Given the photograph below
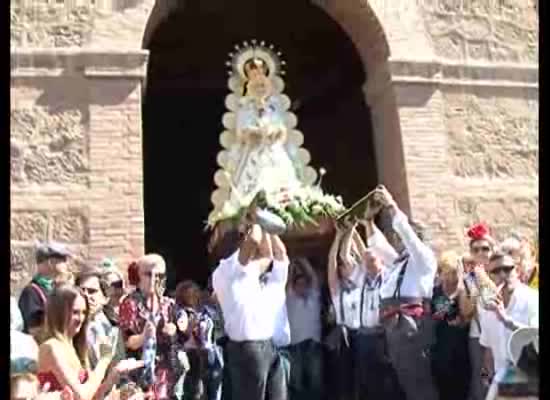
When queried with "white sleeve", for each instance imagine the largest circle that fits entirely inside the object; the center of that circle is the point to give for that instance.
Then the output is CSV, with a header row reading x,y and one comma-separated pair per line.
x,y
533,311
416,248
484,340
382,248
223,273
281,337
279,272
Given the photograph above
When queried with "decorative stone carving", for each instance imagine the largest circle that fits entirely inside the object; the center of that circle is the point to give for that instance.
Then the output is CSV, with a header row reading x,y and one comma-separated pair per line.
x,y
492,137
483,29
50,26
49,147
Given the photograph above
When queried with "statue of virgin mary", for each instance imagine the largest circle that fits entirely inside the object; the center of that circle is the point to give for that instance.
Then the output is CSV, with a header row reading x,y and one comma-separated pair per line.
x,y
262,147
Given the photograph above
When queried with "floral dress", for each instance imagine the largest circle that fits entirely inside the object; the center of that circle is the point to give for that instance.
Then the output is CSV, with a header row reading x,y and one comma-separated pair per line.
x,y
133,315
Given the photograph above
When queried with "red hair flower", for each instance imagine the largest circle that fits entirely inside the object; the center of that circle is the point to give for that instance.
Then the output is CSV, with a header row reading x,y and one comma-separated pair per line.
x,y
478,232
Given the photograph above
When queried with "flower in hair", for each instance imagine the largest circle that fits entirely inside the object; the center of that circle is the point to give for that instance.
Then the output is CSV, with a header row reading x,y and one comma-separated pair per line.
x,y
478,232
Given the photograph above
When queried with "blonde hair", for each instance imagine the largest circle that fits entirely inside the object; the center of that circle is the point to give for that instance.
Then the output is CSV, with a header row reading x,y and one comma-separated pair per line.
x,y
151,260
449,261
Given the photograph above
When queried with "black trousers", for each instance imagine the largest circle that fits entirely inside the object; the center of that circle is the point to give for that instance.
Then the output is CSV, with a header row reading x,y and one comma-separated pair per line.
x,y
375,377
362,370
256,371
306,370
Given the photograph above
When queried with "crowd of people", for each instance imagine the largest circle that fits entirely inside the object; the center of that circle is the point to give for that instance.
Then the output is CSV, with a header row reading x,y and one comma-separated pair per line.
x,y
385,318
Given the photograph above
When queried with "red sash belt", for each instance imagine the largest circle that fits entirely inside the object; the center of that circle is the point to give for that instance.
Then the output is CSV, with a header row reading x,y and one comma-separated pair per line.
x,y
412,310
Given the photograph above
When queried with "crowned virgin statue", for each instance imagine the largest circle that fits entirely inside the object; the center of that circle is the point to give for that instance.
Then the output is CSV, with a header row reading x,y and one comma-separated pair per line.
x,y
262,149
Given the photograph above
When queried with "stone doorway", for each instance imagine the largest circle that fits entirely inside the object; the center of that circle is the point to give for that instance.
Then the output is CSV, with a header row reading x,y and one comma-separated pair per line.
x,y
184,103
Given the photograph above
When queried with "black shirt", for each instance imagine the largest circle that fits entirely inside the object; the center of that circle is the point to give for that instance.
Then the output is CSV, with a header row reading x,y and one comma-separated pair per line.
x,y
32,306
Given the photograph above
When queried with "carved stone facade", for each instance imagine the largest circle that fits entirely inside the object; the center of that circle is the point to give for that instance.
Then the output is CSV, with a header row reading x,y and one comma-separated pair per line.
x,y
452,86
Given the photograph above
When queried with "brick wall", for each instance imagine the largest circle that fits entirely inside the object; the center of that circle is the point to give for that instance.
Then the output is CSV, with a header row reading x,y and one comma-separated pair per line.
x,y
75,155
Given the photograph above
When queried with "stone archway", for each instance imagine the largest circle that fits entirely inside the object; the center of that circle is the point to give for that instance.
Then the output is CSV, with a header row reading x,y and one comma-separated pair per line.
x,y
184,96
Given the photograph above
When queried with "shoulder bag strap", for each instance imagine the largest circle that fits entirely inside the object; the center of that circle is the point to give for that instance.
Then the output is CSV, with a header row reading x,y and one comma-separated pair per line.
x,y
40,292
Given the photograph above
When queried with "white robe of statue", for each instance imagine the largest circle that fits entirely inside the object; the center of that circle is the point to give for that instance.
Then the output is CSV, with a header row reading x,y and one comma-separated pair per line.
x,y
264,161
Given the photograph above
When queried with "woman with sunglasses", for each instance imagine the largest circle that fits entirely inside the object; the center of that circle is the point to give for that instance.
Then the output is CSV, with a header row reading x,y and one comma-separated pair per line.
x,y
112,283
481,246
148,326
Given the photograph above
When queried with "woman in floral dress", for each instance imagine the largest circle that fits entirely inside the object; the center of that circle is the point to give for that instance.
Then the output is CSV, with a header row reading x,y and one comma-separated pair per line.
x,y
148,325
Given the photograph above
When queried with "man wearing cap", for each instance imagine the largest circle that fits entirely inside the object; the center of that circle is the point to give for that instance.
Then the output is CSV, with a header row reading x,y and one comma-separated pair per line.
x,y
515,306
51,262
405,292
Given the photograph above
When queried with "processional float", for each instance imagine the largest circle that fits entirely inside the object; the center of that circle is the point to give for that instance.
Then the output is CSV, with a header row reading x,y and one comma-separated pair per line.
x,y
264,168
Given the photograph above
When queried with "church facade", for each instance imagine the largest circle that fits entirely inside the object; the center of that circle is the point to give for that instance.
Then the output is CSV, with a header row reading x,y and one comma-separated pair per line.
x,y
452,88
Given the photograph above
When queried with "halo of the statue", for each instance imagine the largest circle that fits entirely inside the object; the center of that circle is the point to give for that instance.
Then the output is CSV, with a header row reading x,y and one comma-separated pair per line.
x,y
247,51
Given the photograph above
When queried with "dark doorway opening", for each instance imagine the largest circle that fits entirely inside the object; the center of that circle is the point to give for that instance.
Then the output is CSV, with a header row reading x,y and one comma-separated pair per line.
x,y
184,104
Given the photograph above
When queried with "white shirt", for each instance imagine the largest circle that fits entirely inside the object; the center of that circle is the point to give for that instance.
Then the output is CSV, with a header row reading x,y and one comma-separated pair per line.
x,y
418,280
23,346
251,310
348,313
282,335
304,315
16,319
523,309
371,301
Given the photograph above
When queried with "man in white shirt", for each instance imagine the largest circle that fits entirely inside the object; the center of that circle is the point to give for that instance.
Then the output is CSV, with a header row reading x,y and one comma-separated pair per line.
x,y
377,378
250,287
516,306
304,313
405,292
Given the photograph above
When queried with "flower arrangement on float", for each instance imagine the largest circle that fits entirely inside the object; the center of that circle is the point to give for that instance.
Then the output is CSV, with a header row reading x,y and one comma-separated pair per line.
x,y
299,207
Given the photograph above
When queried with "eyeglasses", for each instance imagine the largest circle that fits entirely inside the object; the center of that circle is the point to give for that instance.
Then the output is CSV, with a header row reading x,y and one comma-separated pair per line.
x,y
507,269
479,249
117,284
90,291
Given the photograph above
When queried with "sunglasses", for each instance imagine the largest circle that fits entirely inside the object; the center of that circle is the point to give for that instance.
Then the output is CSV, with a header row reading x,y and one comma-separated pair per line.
x,y
507,269
117,284
91,291
479,249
